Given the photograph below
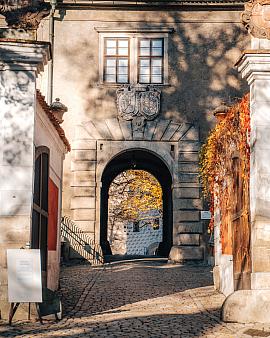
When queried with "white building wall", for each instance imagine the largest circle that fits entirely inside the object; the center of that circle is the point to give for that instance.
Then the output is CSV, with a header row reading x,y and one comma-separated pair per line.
x,y
46,135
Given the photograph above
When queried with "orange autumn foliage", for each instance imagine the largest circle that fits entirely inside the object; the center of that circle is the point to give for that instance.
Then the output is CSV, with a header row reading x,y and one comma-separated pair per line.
x,y
230,135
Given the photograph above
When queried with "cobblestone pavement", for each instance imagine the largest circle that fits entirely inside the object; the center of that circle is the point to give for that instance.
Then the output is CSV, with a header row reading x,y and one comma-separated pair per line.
x,y
137,299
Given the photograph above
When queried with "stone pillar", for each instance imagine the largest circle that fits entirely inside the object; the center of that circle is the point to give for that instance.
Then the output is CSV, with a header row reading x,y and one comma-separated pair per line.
x,y
254,305
254,65
19,65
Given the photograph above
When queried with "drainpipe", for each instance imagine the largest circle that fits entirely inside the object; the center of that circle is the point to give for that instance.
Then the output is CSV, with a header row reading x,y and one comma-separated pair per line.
x,y
51,40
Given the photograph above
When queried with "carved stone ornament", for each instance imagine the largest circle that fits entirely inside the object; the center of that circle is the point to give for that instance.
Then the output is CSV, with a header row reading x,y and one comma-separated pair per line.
x,y
256,18
24,14
138,103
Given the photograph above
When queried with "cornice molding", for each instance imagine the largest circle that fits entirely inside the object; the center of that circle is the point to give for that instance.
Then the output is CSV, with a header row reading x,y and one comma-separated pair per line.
x,y
150,5
156,29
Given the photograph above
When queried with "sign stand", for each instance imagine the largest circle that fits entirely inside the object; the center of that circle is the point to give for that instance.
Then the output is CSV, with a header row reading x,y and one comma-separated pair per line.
x,y
13,309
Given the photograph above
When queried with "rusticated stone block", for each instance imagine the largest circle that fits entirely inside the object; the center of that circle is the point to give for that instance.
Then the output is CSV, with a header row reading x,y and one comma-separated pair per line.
x,y
83,165
188,177
182,216
187,203
84,214
187,192
84,145
261,259
83,178
189,146
188,156
190,227
82,202
182,253
84,155
86,226
84,191
188,239
189,167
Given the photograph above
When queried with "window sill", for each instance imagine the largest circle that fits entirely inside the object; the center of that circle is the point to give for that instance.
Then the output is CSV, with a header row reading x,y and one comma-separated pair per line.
x,y
117,85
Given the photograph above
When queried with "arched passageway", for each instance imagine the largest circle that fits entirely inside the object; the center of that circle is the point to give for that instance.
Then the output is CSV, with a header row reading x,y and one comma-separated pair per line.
x,y
139,160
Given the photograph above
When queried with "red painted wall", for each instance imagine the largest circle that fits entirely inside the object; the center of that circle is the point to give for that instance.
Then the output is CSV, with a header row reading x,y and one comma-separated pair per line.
x,y
53,215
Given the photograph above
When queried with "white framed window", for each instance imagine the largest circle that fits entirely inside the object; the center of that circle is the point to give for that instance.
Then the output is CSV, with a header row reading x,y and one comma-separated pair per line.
x,y
150,60
116,60
127,57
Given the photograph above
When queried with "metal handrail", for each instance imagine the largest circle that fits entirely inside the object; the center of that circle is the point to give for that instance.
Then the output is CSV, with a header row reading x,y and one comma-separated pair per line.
x,y
81,242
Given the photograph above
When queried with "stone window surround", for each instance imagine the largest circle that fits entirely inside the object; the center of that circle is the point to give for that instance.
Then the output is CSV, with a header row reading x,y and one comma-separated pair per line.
x,y
134,35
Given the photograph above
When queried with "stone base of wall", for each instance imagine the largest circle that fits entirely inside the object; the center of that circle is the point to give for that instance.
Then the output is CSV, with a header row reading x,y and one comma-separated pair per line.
x,y
247,306
180,254
223,275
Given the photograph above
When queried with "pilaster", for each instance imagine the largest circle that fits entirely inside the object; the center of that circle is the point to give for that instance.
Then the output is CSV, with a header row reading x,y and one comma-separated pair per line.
x,y
255,67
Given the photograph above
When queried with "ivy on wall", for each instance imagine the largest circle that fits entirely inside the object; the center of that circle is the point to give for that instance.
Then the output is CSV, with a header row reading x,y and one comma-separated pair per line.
x,y
228,139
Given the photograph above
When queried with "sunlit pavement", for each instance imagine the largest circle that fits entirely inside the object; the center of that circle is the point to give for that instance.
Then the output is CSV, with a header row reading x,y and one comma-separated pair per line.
x,y
137,299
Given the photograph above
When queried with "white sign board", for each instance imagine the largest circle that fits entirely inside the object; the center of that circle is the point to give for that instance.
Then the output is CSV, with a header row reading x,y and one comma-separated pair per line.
x,y
205,214
24,276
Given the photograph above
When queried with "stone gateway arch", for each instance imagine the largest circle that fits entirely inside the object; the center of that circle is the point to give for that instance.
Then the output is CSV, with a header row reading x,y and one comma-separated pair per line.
x,y
103,149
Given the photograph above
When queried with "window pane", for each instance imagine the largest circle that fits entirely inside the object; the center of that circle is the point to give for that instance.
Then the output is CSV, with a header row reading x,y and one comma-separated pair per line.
x,y
111,43
123,70
111,70
111,62
145,62
145,43
157,51
122,79
144,51
157,43
144,70
156,79
122,51
123,62
111,51
156,62
123,43
110,78
156,70
144,79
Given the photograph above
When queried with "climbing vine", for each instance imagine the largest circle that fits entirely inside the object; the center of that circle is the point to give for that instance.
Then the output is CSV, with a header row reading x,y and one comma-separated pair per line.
x,y
229,137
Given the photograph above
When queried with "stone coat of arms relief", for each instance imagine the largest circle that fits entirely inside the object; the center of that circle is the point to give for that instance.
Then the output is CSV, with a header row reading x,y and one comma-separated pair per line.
x,y
256,18
138,104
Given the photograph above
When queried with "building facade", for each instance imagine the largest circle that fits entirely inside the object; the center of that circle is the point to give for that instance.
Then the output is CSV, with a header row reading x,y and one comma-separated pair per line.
x,y
33,146
140,81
